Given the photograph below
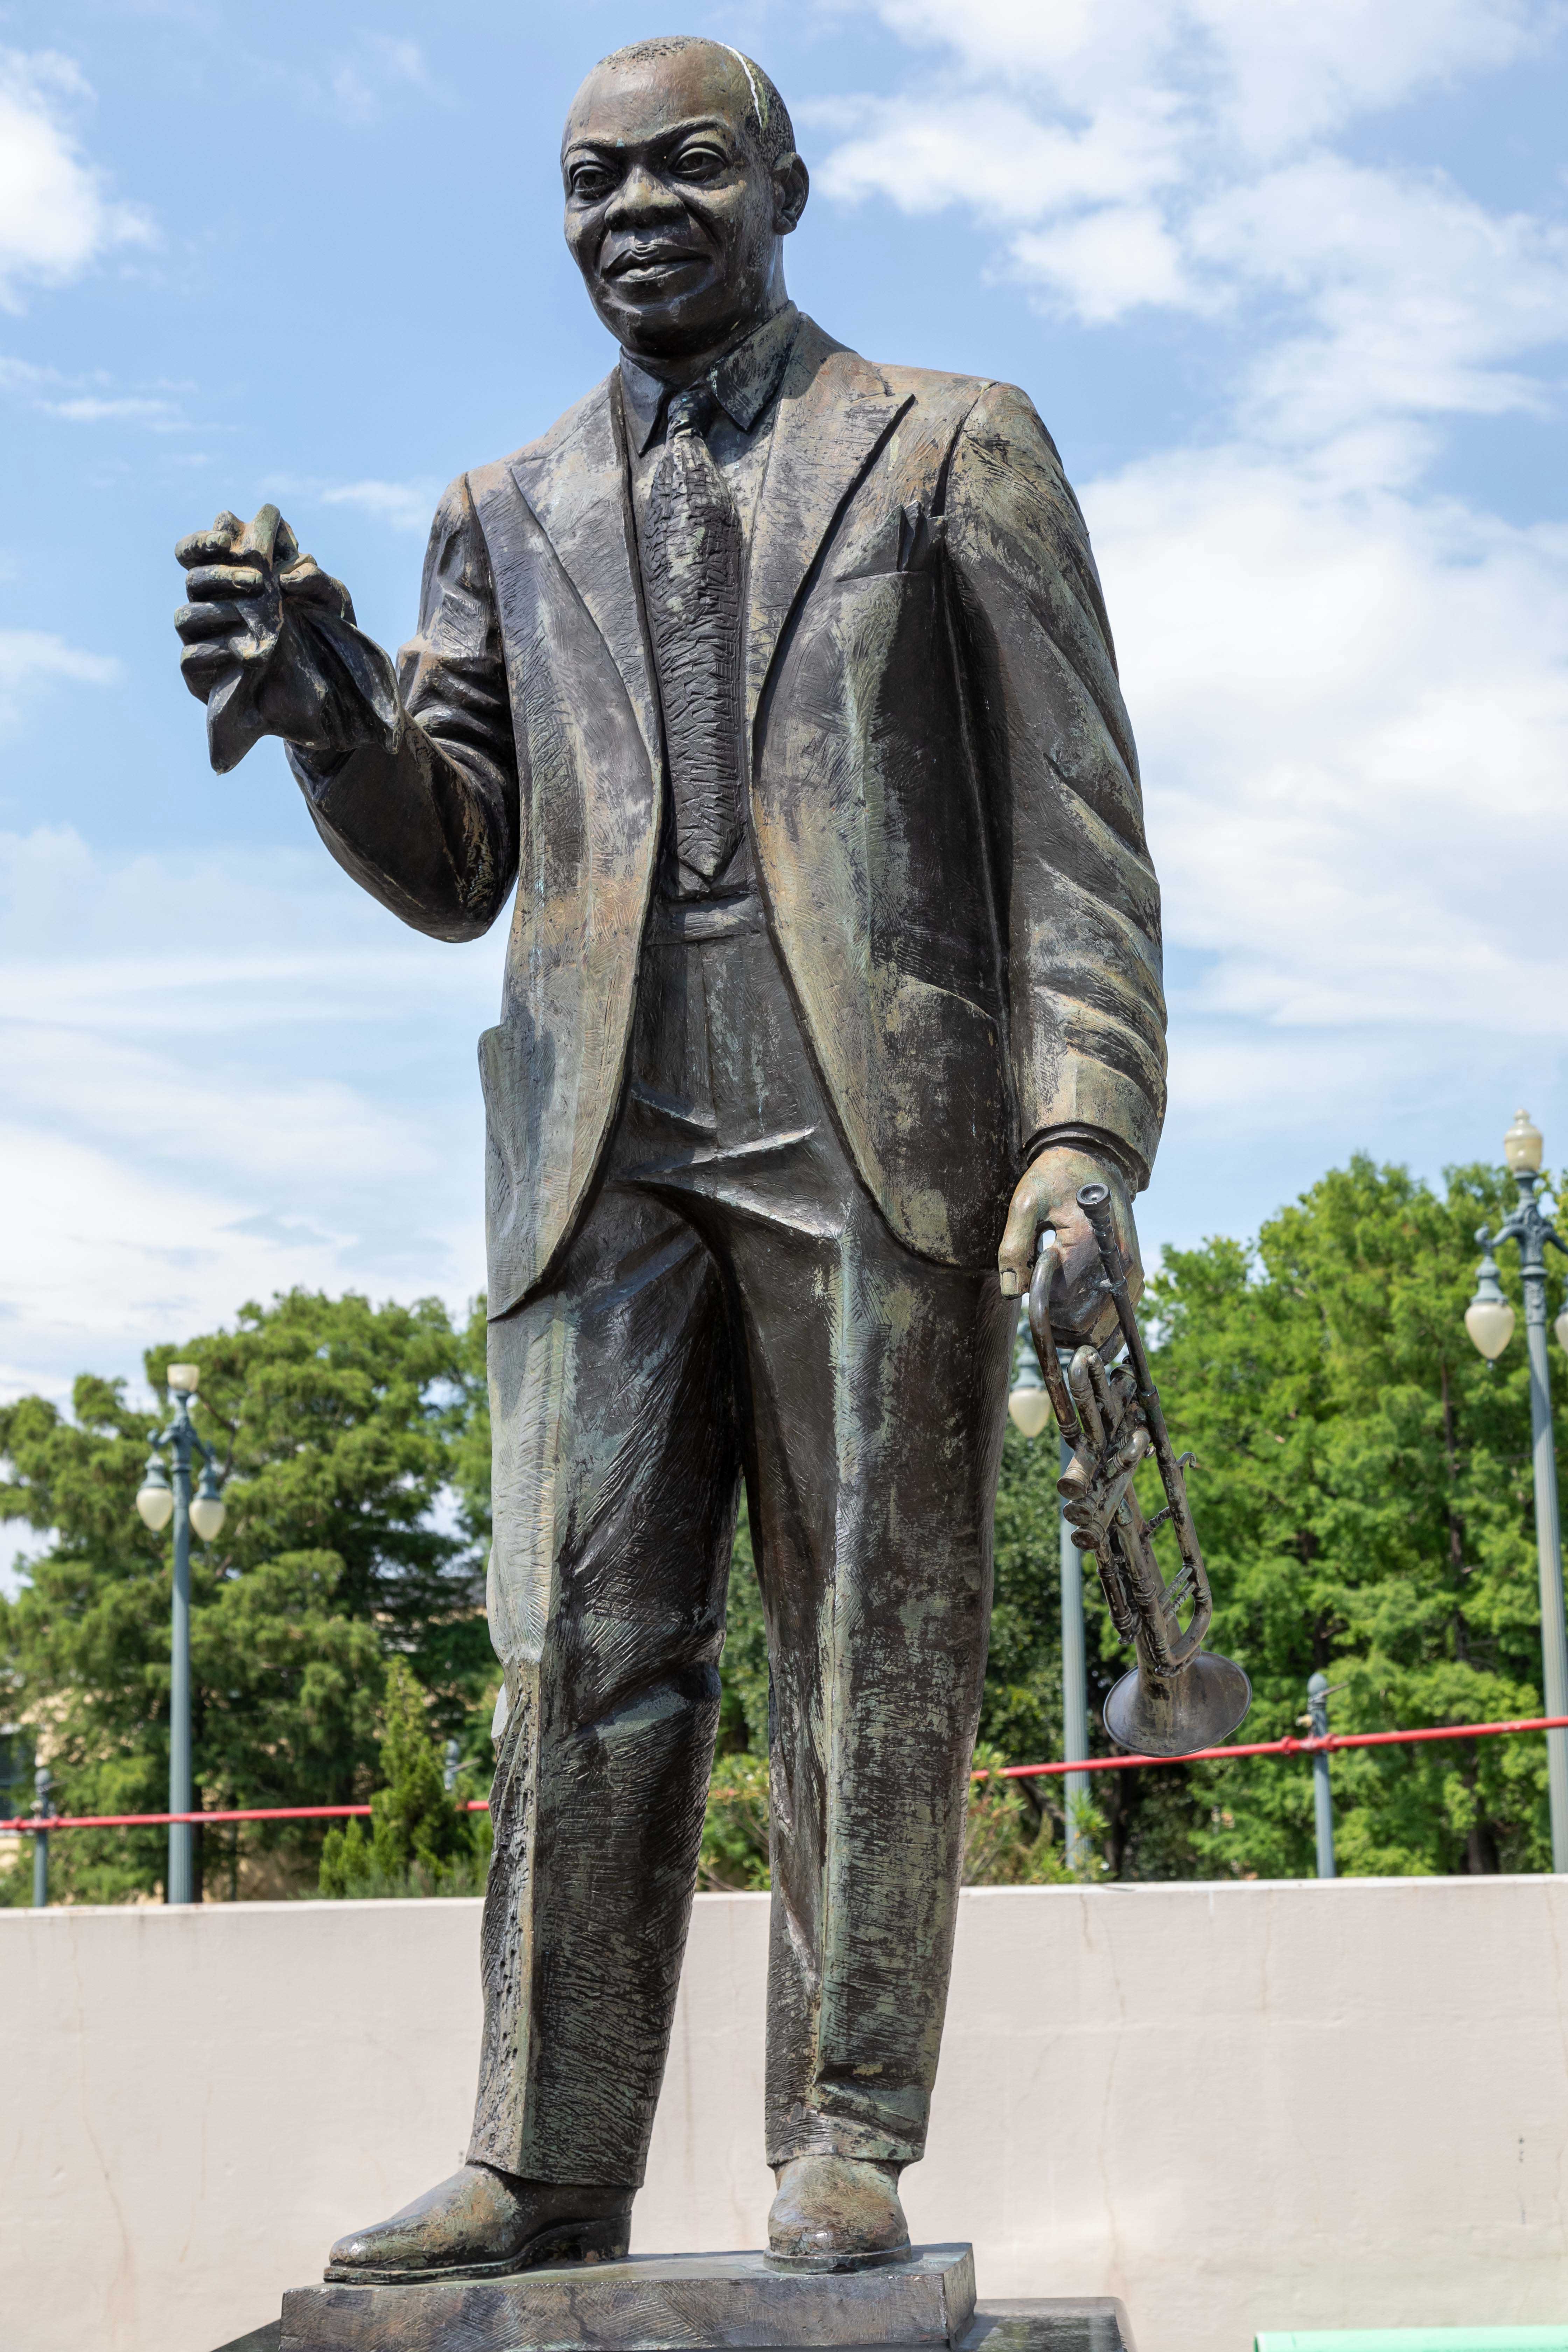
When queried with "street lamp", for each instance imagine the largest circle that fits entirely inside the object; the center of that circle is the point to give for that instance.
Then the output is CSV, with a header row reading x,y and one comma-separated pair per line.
x,y
1029,1409
158,1503
1489,1320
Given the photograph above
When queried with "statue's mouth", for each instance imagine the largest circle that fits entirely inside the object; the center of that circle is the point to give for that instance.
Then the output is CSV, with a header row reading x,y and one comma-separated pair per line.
x,y
653,265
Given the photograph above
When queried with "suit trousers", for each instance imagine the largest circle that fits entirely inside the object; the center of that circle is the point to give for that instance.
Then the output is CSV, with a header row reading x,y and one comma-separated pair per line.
x,y
732,1306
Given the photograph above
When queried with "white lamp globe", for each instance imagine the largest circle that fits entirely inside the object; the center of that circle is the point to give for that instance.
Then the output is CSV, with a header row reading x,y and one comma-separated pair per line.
x,y
1522,1145
1489,1322
208,1513
1029,1409
207,1516
155,1498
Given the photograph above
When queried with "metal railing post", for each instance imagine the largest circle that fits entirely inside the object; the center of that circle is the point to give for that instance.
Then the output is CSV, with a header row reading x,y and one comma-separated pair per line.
x,y
43,1795
1323,1794
180,1882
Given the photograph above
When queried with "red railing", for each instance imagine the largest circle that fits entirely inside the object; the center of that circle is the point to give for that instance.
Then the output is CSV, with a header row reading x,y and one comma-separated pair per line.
x,y
1331,1741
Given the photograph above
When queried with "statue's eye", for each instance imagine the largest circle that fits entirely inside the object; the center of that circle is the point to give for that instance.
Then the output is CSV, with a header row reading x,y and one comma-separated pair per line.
x,y
699,162
590,180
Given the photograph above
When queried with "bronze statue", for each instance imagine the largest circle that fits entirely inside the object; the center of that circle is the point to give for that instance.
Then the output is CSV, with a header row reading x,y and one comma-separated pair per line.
x,y
780,686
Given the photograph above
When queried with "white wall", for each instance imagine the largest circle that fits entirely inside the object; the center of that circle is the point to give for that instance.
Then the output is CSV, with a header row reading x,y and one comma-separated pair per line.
x,y
1234,2107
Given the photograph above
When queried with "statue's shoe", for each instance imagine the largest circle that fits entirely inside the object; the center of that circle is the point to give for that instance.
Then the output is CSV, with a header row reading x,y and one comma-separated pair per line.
x,y
837,2213
484,2224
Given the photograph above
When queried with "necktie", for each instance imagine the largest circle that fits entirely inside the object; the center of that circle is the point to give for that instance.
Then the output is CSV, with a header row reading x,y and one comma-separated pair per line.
x,y
691,581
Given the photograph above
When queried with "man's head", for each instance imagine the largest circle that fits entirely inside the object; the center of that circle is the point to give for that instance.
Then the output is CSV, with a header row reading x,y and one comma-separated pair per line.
x,y
681,178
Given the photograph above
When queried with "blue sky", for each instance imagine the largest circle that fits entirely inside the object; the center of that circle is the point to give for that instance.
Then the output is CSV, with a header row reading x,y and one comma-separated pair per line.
x,y
1289,285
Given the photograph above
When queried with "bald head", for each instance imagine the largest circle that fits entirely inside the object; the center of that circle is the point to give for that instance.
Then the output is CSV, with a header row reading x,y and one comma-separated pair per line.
x,y
681,181
764,114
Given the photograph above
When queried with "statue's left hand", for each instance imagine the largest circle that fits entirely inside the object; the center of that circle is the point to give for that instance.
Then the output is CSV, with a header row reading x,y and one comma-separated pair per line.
x,y
1046,1194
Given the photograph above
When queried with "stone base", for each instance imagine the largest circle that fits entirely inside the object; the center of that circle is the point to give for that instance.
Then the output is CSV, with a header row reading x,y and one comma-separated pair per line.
x,y
1095,2325
652,2302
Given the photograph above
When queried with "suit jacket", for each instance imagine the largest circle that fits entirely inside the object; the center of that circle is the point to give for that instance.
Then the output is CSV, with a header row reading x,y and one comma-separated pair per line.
x,y
943,798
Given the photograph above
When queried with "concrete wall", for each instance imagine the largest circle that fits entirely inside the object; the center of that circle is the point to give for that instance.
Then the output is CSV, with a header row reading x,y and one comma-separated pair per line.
x,y
1234,2107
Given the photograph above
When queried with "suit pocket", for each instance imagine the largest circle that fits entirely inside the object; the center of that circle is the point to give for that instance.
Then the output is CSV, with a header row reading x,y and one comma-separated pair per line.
x,y
507,1082
939,1102
906,546
882,627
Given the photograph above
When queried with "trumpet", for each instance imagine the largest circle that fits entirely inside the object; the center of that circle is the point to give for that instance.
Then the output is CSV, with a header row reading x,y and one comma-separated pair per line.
x,y
1179,1696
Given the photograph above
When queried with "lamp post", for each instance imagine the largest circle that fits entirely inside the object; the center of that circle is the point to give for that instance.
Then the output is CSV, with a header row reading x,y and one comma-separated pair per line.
x,y
1029,1408
158,1503
1488,1320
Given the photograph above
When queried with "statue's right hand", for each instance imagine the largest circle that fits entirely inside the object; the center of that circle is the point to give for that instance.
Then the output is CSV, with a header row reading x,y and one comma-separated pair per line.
x,y
255,651
234,617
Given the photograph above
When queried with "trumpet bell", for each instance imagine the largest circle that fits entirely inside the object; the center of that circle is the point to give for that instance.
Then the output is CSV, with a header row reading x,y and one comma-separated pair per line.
x,y
1175,1715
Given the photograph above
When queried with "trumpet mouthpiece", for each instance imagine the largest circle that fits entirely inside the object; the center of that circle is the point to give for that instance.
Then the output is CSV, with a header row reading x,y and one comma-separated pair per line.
x,y
1094,1200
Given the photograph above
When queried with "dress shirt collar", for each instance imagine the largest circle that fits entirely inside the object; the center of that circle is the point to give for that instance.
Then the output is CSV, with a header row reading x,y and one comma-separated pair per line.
x,y
743,379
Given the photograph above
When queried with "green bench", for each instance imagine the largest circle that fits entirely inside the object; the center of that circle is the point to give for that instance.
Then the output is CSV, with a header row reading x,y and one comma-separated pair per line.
x,y
1414,2339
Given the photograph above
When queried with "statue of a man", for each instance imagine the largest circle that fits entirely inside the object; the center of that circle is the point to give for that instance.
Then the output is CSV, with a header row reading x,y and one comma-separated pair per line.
x,y
780,686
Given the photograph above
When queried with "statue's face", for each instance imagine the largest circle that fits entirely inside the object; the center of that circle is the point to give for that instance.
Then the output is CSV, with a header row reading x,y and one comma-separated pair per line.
x,y
672,217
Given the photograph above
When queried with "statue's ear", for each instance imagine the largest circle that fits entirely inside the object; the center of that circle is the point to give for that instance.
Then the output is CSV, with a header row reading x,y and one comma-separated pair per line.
x,y
792,185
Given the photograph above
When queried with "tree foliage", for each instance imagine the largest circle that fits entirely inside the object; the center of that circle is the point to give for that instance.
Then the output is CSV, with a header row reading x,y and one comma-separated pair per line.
x,y
1366,1507
1365,1499
1363,1494
334,1423
423,1840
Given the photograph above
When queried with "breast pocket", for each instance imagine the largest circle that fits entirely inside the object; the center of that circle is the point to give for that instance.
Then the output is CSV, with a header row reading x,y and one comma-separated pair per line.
x,y
884,630
908,543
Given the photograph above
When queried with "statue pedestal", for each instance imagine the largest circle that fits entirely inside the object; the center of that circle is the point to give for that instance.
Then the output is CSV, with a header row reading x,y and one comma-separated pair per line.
x,y
696,2303
652,2302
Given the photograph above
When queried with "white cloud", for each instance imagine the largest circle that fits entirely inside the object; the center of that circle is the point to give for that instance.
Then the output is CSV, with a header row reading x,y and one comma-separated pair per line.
x,y
87,408
94,399
1413,299
401,505
1107,262
1300,67
221,1075
1261,78
57,216
383,66
1132,152
379,77
30,657
405,506
992,153
1337,695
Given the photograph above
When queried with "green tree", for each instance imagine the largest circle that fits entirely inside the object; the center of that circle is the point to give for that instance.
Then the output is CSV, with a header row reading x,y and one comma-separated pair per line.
x,y
335,1421
423,1840
1364,1500
468,1452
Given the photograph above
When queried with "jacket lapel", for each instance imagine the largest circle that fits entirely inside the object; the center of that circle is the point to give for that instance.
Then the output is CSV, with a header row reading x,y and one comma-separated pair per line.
x,y
834,411
578,488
